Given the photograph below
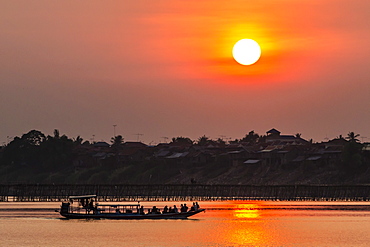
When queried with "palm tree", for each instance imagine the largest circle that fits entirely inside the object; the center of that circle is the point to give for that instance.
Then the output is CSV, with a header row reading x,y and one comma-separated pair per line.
x,y
117,140
352,137
117,145
203,141
78,140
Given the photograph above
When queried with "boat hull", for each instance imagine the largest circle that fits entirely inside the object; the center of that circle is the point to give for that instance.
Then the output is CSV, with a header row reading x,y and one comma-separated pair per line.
x,y
131,216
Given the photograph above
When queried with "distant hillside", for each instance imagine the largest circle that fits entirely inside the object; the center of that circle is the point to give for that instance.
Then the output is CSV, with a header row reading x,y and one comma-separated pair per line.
x,y
254,159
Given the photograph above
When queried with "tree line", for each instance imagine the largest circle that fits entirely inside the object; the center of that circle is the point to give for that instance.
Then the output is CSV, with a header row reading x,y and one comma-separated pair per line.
x,y
36,157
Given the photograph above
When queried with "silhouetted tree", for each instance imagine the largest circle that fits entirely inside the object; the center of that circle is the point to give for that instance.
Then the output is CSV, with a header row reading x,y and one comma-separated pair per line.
x,y
33,138
57,152
56,134
234,141
182,140
352,137
78,140
86,143
203,141
13,153
251,137
117,141
221,141
351,155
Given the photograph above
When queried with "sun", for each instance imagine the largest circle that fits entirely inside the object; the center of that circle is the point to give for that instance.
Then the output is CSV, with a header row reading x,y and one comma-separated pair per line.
x,y
246,51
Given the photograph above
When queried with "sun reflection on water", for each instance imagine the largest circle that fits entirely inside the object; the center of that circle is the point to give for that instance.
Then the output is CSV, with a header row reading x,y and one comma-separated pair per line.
x,y
247,211
247,227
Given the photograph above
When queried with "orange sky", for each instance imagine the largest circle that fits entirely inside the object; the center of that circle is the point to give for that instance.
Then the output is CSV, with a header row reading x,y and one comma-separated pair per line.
x,y
164,68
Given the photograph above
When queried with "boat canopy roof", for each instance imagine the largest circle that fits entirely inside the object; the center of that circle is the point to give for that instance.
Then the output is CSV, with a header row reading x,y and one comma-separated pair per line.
x,y
83,197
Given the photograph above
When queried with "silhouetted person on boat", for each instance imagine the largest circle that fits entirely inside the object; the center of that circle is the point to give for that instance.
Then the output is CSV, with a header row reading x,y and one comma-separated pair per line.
x,y
141,210
184,208
175,210
195,206
170,210
91,204
165,209
155,210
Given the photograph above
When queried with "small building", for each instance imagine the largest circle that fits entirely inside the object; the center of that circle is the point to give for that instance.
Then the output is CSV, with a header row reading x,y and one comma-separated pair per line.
x,y
274,136
101,145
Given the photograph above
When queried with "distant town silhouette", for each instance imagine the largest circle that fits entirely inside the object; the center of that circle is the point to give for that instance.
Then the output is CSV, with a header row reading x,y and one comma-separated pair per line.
x,y
270,159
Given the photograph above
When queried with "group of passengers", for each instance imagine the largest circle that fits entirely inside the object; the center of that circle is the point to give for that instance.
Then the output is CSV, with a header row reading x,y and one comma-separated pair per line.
x,y
87,203
169,210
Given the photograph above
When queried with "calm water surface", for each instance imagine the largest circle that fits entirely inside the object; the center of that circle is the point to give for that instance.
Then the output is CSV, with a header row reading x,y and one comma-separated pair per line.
x,y
242,223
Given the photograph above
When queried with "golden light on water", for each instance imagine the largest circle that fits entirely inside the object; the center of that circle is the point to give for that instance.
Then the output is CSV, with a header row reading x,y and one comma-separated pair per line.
x,y
247,211
248,231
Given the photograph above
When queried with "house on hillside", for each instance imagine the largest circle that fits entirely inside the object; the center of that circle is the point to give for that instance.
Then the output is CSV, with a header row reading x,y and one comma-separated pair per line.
x,y
134,152
326,153
281,152
178,158
337,142
134,145
201,157
366,153
100,145
82,157
245,155
127,155
274,136
101,150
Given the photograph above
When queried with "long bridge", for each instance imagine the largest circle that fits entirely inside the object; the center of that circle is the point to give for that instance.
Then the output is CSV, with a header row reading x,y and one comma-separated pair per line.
x,y
180,192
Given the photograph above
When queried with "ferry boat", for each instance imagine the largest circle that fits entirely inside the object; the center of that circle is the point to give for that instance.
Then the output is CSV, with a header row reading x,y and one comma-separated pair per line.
x,y
89,208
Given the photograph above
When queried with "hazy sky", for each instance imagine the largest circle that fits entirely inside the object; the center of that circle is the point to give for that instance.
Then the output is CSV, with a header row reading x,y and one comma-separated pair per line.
x,y
164,68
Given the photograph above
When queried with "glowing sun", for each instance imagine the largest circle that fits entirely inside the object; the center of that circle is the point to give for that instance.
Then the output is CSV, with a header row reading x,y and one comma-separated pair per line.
x,y
246,51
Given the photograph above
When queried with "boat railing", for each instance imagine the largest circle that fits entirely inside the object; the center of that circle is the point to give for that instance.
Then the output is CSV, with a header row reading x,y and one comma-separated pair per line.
x,y
118,208
106,208
79,210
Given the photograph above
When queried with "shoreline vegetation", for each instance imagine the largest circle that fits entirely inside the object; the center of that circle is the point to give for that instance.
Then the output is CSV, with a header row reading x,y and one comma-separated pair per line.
x,y
270,159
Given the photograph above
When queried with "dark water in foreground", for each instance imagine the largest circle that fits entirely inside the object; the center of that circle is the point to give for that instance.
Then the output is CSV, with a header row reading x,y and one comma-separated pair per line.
x,y
242,223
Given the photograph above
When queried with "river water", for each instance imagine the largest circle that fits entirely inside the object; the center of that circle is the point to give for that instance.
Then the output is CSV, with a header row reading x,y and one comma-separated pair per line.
x,y
232,223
